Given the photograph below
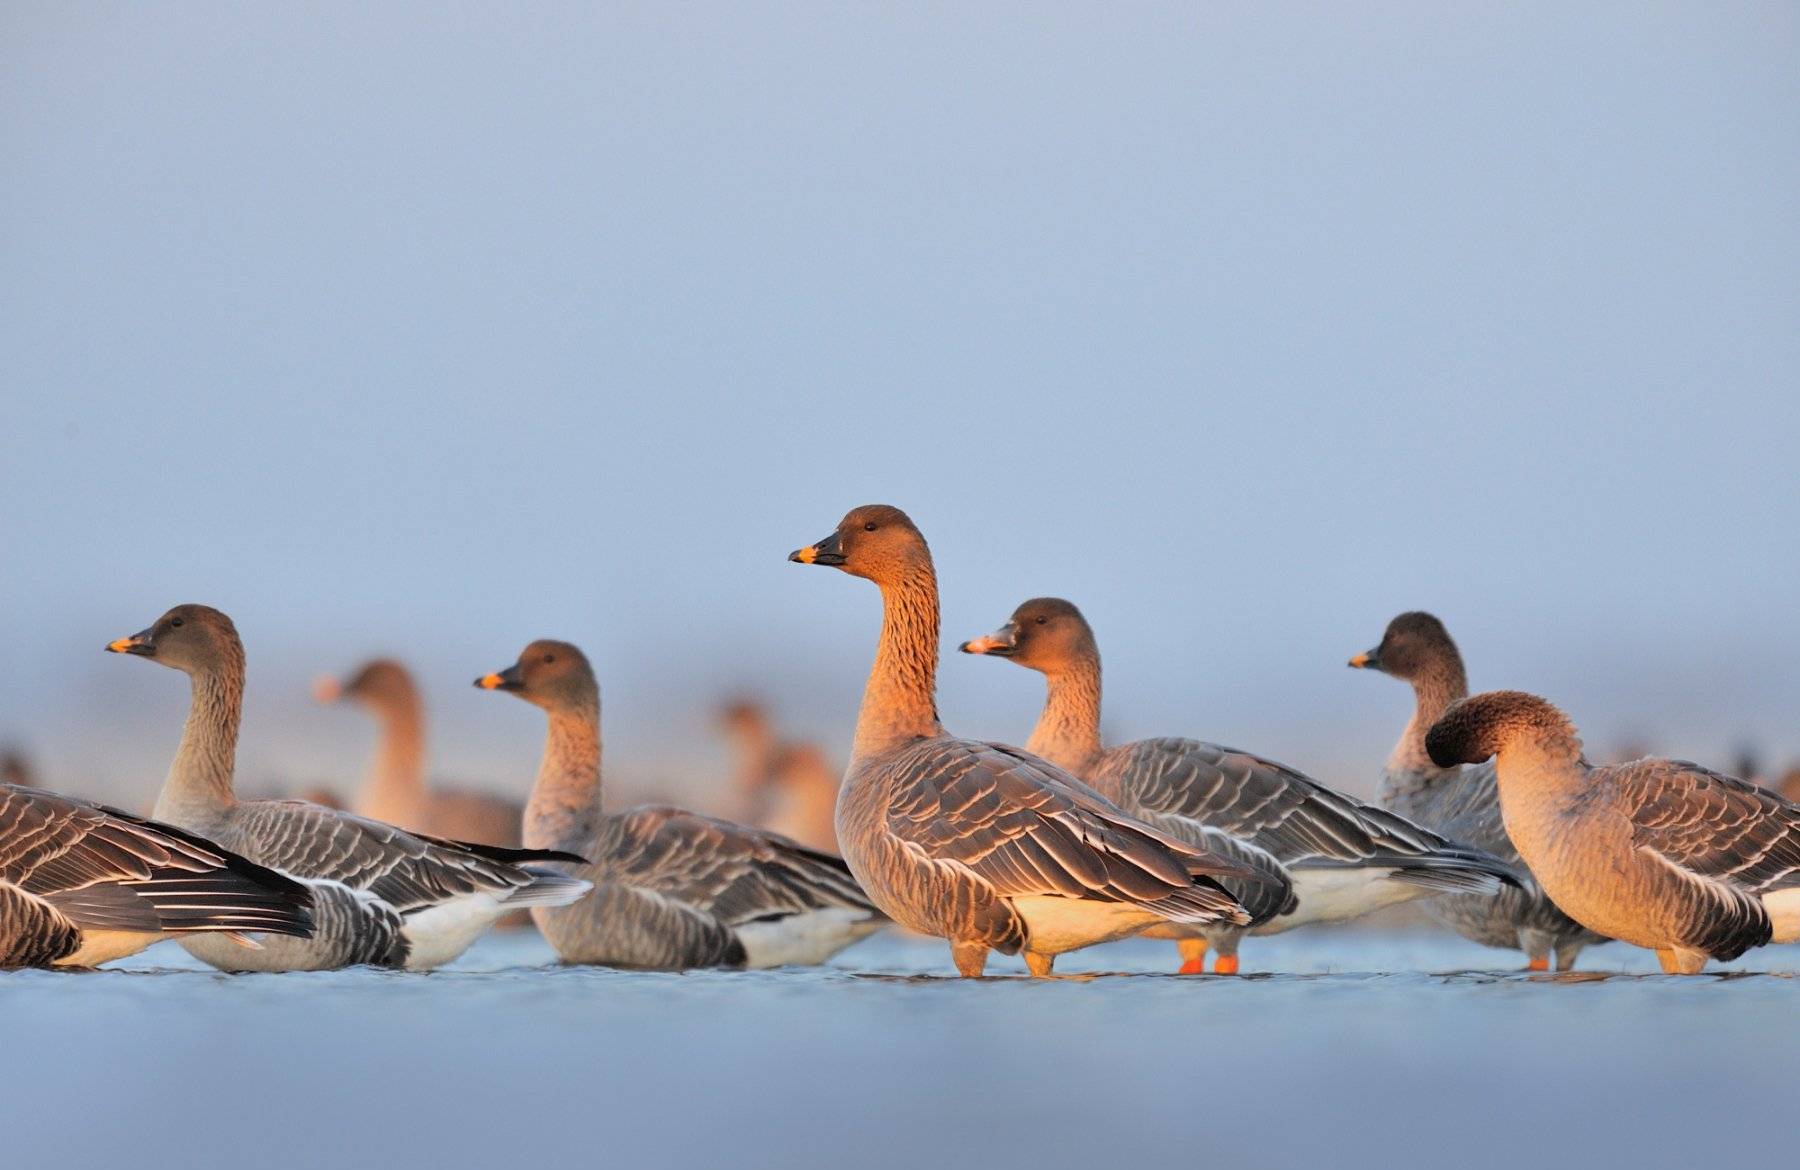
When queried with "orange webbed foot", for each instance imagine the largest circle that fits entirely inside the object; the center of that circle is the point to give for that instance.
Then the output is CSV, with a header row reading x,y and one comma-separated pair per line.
x,y
1193,967
1225,965
1539,963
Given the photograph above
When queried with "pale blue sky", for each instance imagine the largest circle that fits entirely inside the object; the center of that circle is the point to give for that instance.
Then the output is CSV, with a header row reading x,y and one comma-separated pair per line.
x,y
1245,326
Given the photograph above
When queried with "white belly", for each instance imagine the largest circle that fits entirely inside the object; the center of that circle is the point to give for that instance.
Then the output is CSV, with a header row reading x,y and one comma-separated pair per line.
x,y
1332,895
443,932
1784,911
273,952
803,940
103,946
1068,924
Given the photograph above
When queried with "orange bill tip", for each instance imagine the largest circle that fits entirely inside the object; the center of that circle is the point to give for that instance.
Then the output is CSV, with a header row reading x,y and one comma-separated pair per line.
x,y
488,682
119,645
1360,661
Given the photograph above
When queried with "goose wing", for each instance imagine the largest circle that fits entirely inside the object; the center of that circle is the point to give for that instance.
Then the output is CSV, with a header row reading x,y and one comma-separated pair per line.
x,y
731,872
104,869
1023,827
1300,821
407,871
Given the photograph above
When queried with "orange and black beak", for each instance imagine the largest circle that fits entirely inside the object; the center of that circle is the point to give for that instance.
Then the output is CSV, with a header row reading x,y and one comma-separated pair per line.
x,y
1002,643
139,643
506,680
1368,660
829,551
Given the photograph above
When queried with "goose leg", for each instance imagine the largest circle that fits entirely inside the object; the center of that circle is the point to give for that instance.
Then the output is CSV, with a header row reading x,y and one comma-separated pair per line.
x,y
1193,955
1566,953
1536,945
1039,965
1225,945
1680,961
970,958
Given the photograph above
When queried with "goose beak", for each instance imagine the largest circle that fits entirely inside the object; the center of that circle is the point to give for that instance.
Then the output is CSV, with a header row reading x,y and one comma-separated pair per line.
x,y
505,680
327,690
827,552
1000,644
139,644
1367,660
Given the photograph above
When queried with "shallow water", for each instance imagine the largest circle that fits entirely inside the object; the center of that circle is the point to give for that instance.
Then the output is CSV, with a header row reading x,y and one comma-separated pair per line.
x,y
1389,1049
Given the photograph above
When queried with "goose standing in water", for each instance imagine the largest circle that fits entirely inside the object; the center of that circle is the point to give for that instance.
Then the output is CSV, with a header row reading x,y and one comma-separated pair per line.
x,y
672,889
1662,854
1463,803
784,786
1344,858
984,845
380,895
82,884
395,790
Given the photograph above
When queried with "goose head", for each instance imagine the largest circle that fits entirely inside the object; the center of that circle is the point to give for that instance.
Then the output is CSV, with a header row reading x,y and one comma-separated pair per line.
x,y
876,541
381,684
1413,645
1482,726
189,638
1046,634
549,674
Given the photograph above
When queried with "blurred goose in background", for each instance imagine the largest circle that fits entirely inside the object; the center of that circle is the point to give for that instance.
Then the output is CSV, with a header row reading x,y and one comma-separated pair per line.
x,y
784,786
395,790
978,843
82,884
672,889
1344,858
1462,803
16,769
1788,787
1662,854
381,895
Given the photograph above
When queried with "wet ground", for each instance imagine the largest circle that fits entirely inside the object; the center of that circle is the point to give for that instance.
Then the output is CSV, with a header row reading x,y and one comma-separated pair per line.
x,y
1391,1049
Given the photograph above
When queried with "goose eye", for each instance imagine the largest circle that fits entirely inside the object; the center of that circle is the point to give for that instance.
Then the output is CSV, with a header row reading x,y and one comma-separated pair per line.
x,y
1041,621
869,527
174,621
549,658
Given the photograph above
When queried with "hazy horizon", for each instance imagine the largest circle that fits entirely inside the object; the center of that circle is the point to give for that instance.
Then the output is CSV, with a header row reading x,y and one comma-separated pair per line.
x,y
425,333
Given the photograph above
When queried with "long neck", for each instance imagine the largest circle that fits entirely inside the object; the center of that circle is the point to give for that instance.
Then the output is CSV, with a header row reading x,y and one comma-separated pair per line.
x,y
1440,685
1540,769
1068,731
899,702
396,779
564,809
199,783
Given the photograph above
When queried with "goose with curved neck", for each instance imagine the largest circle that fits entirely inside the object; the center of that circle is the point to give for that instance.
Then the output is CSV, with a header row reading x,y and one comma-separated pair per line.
x,y
1343,858
1462,803
380,895
395,788
1663,854
983,845
787,787
672,890
81,885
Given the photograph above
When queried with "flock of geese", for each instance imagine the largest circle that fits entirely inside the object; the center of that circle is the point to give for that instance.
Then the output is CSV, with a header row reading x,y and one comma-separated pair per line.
x,y
1490,814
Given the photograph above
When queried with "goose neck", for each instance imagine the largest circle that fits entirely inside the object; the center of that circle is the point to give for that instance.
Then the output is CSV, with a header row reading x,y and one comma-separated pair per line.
x,y
199,782
564,809
1068,730
900,700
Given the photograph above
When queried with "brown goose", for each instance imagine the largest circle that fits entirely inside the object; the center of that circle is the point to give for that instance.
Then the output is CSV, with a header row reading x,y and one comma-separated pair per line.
x,y
984,845
381,895
1344,858
1662,854
672,889
1462,803
82,884
785,786
395,790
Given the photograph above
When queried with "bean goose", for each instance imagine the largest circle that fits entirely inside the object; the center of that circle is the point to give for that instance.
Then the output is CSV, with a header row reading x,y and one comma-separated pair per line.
x,y
1462,803
984,845
395,790
381,895
784,786
1662,854
1344,858
82,884
672,889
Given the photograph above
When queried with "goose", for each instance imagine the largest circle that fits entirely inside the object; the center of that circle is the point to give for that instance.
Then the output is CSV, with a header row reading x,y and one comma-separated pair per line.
x,y
1344,858
1663,854
983,845
381,896
395,790
82,884
672,889
785,786
1462,803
